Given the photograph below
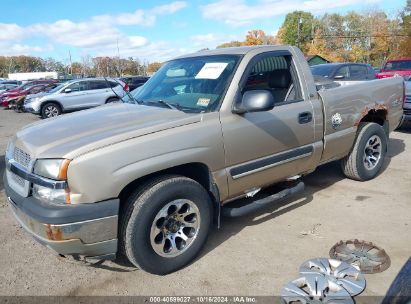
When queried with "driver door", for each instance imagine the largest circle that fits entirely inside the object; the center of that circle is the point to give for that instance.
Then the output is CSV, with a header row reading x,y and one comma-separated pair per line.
x,y
266,147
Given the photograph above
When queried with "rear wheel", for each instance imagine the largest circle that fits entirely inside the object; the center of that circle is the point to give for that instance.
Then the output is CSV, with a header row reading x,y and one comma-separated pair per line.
x,y
50,109
165,224
367,155
112,99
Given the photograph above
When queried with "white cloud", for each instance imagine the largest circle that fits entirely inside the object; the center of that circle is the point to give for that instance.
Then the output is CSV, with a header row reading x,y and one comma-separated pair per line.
x,y
23,49
211,40
10,31
99,34
239,13
152,51
170,8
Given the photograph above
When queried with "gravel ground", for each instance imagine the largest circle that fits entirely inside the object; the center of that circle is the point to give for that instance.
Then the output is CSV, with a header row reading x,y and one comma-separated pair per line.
x,y
254,255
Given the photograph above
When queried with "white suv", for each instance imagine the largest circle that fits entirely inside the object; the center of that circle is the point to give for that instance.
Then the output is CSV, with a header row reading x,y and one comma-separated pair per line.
x,y
75,95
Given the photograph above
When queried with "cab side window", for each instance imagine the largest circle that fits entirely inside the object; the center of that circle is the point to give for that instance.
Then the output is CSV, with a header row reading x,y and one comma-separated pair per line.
x,y
358,72
97,85
344,72
78,86
276,74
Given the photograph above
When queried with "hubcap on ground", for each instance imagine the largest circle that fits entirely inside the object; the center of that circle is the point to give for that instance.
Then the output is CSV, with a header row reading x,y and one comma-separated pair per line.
x,y
314,288
372,152
175,227
335,272
51,111
367,256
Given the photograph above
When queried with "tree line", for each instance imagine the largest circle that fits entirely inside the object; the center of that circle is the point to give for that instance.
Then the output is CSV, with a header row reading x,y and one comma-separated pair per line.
x,y
370,37
87,66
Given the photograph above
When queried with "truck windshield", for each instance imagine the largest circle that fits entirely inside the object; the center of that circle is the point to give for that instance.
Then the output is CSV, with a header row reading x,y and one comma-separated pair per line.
x,y
398,65
194,84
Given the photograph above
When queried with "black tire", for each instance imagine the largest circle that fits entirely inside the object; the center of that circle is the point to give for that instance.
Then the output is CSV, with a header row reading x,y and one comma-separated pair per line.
x,y
354,165
112,99
138,215
50,109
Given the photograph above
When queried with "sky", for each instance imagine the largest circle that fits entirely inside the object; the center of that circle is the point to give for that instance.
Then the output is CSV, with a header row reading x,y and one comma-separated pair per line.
x,y
149,30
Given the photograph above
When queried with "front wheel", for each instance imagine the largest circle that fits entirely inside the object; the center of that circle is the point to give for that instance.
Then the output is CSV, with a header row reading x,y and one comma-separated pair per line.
x,y
367,155
50,110
165,224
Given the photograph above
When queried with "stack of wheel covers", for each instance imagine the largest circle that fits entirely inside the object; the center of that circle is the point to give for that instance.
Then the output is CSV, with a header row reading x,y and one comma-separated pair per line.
x,y
324,280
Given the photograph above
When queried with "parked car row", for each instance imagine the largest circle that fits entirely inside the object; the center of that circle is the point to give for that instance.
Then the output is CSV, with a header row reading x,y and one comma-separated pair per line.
x,y
49,98
346,73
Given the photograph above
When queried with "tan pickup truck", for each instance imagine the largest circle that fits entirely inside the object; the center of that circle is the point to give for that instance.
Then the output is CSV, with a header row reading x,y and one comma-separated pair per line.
x,y
147,178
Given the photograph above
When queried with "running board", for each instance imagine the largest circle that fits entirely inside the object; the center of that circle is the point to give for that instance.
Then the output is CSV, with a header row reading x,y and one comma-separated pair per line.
x,y
261,203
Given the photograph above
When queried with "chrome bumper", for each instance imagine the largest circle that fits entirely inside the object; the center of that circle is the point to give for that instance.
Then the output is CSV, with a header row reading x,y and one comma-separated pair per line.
x,y
90,238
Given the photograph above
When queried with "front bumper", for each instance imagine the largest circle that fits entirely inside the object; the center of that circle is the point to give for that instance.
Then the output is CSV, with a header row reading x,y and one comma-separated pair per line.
x,y
83,229
28,108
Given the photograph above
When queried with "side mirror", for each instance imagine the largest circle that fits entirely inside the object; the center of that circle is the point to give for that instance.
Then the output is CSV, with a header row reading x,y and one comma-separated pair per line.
x,y
67,90
255,101
339,77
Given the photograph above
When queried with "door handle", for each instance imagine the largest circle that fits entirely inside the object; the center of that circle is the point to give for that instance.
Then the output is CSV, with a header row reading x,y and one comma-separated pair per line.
x,y
305,117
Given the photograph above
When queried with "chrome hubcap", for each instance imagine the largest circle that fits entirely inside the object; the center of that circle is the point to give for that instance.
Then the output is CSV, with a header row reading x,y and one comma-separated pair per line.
x,y
372,152
175,227
51,111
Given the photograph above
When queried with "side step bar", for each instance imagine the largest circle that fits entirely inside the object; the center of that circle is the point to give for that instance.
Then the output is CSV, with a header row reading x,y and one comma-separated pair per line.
x,y
263,202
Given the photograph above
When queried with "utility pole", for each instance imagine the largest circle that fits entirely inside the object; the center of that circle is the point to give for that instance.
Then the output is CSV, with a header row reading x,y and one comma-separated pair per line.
x,y
300,21
118,55
11,62
71,64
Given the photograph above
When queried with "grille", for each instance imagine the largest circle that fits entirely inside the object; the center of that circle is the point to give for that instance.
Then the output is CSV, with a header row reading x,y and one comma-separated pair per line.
x,y
408,98
21,157
407,112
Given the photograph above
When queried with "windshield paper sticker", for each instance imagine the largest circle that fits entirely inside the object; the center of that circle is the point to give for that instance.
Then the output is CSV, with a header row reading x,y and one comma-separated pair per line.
x,y
203,102
211,70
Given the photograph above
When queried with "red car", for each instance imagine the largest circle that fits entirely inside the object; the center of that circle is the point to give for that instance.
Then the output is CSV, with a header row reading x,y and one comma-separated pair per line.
x,y
396,67
6,97
27,85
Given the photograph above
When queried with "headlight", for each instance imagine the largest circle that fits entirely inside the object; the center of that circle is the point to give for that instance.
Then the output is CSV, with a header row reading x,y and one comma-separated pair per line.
x,y
9,149
52,168
48,195
30,100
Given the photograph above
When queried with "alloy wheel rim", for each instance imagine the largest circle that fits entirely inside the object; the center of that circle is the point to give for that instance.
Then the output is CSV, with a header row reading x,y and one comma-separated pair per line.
x,y
372,152
174,228
51,111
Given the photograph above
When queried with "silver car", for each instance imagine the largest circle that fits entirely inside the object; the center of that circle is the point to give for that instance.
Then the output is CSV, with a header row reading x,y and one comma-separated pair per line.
x,y
75,95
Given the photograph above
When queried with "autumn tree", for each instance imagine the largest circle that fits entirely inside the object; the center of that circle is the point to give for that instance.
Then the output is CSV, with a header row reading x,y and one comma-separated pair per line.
x,y
233,43
154,67
297,29
405,44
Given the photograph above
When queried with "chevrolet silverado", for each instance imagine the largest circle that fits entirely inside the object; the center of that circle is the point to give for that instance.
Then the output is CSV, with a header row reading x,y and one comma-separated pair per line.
x,y
146,179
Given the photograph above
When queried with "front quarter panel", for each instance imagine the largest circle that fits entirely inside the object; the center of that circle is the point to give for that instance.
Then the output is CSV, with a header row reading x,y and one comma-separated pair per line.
x,y
102,174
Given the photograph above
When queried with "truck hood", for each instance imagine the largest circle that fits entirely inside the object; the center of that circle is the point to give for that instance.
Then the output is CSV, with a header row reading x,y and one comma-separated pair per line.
x,y
74,134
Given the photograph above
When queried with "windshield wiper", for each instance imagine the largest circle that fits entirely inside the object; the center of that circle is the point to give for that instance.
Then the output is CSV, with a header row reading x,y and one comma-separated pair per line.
x,y
167,104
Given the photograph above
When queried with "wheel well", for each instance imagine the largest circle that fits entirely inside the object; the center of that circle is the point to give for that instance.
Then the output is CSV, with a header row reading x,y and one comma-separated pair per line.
x,y
196,171
111,97
51,101
377,116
